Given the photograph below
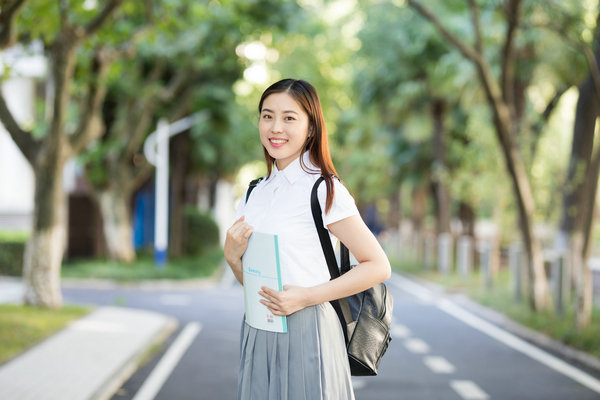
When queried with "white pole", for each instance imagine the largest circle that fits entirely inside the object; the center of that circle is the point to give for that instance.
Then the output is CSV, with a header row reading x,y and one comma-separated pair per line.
x,y
161,216
156,150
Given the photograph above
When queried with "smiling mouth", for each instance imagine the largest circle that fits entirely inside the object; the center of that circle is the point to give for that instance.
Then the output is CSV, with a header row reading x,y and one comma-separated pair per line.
x,y
277,142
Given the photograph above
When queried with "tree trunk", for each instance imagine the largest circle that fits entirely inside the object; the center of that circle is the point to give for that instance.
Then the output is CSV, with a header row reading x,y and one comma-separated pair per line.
x,y
580,197
116,223
539,289
441,194
45,247
586,113
395,213
419,200
539,293
179,148
467,218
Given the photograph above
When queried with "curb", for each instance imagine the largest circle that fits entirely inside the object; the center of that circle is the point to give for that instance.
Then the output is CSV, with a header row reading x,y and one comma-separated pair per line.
x,y
158,284
121,375
142,284
539,339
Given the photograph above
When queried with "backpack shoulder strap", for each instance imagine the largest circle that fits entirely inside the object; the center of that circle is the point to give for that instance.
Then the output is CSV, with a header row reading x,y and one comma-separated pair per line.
x,y
324,237
341,306
251,187
322,232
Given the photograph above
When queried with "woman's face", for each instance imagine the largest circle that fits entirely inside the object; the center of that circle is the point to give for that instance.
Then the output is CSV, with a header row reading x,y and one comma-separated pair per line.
x,y
283,128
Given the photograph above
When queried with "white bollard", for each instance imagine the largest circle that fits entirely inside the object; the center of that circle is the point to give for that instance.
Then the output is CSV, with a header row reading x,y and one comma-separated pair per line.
x,y
515,263
560,281
444,253
428,251
464,255
484,250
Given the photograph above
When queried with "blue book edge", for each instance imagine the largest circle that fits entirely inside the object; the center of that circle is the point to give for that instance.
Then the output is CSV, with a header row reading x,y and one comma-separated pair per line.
x,y
279,284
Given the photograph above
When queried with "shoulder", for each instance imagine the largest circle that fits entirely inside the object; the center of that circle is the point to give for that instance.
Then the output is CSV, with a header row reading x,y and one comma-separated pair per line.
x,y
337,185
343,205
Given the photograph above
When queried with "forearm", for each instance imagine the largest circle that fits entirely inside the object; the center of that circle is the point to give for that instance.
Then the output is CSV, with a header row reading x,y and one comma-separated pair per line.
x,y
358,279
236,268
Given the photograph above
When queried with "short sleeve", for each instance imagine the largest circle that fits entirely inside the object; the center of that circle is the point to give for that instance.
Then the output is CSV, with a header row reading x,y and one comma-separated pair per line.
x,y
240,209
343,205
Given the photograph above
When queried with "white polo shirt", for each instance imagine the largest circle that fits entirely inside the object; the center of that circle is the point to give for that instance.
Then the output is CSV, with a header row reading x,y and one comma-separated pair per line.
x,y
281,205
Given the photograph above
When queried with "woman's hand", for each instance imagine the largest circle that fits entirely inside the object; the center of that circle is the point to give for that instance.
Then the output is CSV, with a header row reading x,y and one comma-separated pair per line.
x,y
286,302
236,243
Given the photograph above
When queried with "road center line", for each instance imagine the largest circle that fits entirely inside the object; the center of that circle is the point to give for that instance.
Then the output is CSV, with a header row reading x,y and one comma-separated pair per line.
x,y
439,365
400,331
505,337
469,390
416,346
168,362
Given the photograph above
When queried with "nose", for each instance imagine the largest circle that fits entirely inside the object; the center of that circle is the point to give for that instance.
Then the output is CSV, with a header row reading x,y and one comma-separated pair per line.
x,y
277,126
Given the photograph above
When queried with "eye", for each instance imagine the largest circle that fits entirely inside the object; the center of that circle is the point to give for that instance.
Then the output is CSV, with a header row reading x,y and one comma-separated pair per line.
x,y
266,116
289,118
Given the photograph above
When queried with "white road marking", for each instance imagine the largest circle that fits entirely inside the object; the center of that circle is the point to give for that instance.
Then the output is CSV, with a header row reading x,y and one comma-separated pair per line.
x,y
413,288
439,365
468,390
168,362
400,331
175,300
520,345
417,346
503,336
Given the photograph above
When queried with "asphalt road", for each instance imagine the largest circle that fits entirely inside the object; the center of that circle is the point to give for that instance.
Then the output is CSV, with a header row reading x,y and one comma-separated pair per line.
x,y
439,350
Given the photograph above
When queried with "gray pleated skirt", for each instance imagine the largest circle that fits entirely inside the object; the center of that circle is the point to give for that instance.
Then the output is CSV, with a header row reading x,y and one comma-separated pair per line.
x,y
309,362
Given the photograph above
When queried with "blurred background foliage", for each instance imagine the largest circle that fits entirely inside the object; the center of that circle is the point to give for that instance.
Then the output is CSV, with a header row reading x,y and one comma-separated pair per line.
x,y
411,129
380,70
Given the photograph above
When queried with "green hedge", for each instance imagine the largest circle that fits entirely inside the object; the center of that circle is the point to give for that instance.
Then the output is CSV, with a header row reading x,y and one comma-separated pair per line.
x,y
201,232
12,249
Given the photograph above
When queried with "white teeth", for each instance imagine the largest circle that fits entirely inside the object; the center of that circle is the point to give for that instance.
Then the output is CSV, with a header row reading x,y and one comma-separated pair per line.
x,y
278,141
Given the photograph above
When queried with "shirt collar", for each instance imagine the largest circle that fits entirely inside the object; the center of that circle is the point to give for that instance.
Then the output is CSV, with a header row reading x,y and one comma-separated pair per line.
x,y
294,171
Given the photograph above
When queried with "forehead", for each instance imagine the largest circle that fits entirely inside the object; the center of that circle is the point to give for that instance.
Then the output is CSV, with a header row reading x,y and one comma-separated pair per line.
x,y
282,102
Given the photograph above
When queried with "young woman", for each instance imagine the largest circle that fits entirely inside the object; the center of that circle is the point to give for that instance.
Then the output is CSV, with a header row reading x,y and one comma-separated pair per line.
x,y
310,361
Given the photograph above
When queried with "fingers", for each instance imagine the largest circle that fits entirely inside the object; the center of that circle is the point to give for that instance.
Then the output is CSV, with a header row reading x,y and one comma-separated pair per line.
x,y
271,300
236,240
268,292
274,308
240,230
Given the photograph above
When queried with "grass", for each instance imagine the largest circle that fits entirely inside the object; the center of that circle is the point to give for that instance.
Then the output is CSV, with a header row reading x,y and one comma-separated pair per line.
x,y
500,298
21,327
14,236
144,267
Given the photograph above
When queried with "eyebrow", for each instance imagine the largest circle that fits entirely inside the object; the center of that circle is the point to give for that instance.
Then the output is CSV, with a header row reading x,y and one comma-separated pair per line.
x,y
285,112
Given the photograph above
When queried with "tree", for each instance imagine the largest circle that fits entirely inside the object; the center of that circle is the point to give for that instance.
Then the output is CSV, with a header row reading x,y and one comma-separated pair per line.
x,y
68,29
9,10
503,102
188,63
414,91
579,198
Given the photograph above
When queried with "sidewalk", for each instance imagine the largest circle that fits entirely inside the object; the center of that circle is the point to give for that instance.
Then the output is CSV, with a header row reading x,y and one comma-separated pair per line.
x,y
89,359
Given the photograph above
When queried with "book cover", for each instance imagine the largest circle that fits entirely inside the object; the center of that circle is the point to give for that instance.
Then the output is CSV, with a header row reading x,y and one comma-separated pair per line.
x,y
260,265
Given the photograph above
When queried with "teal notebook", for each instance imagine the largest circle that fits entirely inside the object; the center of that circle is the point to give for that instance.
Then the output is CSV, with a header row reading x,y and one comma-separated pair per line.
x,y
260,264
